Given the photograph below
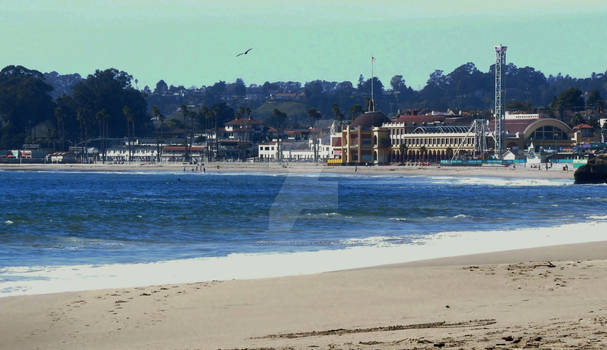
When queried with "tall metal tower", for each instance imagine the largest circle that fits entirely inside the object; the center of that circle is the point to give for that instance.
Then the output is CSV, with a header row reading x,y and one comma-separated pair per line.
x,y
500,61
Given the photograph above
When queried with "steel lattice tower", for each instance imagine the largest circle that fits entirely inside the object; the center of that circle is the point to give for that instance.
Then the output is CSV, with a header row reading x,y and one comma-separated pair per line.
x,y
500,61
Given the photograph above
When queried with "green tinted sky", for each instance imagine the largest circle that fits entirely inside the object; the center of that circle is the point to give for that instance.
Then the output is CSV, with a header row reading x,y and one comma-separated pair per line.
x,y
194,42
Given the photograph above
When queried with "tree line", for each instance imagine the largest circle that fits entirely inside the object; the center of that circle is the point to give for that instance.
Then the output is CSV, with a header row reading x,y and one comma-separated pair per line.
x,y
67,110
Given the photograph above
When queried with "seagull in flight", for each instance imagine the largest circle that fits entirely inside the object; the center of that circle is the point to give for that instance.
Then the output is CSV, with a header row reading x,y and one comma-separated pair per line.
x,y
244,53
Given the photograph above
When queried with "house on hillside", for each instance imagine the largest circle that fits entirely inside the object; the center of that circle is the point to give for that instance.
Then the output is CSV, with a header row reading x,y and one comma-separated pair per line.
x,y
585,134
245,130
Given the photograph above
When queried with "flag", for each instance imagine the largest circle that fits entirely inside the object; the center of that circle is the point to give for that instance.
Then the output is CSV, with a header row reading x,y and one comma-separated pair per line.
x,y
372,59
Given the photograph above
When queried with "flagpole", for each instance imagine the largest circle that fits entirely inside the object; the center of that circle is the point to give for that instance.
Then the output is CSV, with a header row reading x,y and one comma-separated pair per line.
x,y
372,79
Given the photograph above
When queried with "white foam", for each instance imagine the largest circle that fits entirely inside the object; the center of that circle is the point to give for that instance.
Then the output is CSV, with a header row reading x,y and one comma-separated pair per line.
x,y
398,219
8,222
498,181
40,280
461,216
376,241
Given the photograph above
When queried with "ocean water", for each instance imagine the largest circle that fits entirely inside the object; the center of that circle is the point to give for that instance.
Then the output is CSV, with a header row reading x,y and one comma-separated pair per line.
x,y
81,230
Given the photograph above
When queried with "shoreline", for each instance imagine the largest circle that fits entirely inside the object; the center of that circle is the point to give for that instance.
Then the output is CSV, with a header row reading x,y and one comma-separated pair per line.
x,y
305,168
442,246
512,299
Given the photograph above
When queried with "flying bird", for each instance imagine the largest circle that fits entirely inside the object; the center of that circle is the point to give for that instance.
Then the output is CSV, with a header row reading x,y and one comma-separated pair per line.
x,y
244,53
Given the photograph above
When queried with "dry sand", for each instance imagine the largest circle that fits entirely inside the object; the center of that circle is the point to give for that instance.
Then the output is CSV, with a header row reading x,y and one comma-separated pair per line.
x,y
506,300
556,172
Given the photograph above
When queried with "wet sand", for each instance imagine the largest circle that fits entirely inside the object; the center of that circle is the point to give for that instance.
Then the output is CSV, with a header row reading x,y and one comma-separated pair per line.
x,y
556,172
547,298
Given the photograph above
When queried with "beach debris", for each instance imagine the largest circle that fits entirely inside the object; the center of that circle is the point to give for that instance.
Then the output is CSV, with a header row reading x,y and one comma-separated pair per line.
x,y
145,294
447,306
547,264
371,342
439,345
342,331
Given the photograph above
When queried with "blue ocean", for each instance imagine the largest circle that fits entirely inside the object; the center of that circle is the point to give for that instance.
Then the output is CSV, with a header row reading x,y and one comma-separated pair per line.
x,y
51,221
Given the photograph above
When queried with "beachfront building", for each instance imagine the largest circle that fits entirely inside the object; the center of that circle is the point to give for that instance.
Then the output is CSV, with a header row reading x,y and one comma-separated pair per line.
x,y
296,150
61,157
365,141
177,153
245,130
141,150
546,133
268,151
435,143
585,134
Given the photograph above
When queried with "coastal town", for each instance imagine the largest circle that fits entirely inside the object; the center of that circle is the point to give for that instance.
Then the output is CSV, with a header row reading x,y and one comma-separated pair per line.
x,y
567,134
284,175
370,139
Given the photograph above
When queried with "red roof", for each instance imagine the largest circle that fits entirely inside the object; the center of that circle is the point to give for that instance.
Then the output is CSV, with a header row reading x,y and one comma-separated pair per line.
x,y
582,126
419,119
512,126
244,121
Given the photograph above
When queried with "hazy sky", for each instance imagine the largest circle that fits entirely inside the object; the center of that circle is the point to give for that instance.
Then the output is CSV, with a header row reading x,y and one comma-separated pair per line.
x,y
188,42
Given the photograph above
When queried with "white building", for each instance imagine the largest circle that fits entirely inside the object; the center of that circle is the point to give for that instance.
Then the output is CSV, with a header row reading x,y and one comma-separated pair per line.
x,y
297,151
513,116
268,151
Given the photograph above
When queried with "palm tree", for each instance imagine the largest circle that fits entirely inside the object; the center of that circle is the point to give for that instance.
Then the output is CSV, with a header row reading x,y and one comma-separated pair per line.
x,y
215,116
60,117
355,110
243,147
449,153
314,116
106,123
156,113
81,117
337,113
241,112
209,116
186,113
280,118
203,118
101,120
402,148
422,151
130,128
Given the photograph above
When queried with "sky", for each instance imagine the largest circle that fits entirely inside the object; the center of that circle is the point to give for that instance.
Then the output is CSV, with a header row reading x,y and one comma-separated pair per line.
x,y
194,43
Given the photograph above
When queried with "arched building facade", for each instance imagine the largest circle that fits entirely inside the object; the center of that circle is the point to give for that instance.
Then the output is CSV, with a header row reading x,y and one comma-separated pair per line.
x,y
543,132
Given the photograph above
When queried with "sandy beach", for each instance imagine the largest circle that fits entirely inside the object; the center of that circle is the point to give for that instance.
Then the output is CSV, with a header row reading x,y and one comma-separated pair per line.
x,y
547,298
556,172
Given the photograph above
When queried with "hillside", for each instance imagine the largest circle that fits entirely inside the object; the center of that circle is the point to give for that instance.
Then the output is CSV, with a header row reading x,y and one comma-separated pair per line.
x,y
296,113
